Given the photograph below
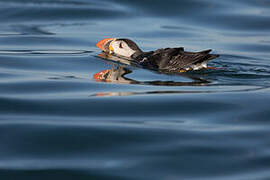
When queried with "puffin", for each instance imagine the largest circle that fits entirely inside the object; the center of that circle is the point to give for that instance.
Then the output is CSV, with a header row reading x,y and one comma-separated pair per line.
x,y
165,59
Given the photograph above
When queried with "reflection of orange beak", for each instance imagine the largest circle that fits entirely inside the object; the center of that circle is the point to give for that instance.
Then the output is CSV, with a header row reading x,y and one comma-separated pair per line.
x,y
103,75
101,44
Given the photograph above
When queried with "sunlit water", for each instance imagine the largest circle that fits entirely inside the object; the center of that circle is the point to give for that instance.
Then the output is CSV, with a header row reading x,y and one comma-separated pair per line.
x,y
58,122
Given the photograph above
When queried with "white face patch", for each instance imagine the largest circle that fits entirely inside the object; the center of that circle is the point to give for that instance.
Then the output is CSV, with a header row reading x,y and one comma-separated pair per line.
x,y
121,48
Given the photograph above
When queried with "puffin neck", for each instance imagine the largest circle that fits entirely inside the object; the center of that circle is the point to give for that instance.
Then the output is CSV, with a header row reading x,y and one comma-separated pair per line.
x,y
136,54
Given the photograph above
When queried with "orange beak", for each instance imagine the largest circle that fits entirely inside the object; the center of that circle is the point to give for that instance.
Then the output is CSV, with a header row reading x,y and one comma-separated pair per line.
x,y
101,44
103,75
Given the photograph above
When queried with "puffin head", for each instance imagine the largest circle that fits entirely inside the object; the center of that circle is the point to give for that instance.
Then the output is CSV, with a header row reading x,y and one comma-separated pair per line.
x,y
121,47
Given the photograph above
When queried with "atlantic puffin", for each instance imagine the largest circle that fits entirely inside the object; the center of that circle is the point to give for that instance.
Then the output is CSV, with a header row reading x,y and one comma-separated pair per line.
x,y
167,59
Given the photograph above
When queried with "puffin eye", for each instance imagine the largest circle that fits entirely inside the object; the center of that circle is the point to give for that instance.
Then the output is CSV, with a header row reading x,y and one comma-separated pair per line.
x,y
120,45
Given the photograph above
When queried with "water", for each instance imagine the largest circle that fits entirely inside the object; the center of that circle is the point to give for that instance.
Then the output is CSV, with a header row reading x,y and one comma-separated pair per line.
x,y
58,122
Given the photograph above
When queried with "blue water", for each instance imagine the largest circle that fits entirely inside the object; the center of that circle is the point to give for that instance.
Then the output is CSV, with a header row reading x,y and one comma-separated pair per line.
x,y
58,122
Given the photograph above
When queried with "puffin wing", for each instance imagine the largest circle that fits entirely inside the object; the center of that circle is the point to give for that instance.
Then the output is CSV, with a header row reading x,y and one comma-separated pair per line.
x,y
184,59
172,59
157,59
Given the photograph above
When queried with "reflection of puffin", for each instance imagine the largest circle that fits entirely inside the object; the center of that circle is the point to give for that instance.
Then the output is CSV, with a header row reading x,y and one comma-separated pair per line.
x,y
114,75
168,59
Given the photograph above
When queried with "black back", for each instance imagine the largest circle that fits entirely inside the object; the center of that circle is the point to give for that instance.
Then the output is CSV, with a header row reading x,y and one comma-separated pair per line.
x,y
172,59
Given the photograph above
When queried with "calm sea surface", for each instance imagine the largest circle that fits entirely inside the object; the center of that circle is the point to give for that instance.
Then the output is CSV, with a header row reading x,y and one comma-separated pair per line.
x,y
58,122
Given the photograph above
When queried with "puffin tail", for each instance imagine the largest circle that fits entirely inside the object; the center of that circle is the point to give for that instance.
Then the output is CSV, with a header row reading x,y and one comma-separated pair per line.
x,y
208,56
212,56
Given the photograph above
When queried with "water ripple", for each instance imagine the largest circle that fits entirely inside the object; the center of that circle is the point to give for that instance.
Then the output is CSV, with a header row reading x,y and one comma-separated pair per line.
x,y
60,119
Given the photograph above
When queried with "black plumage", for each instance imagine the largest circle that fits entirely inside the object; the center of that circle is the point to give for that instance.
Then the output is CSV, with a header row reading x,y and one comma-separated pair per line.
x,y
173,59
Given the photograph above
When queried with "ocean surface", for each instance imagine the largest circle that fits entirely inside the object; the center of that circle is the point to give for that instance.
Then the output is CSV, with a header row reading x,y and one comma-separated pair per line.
x,y
57,121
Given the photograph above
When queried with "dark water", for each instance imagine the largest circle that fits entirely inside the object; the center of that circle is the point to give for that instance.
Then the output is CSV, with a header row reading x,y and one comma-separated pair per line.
x,y
58,122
